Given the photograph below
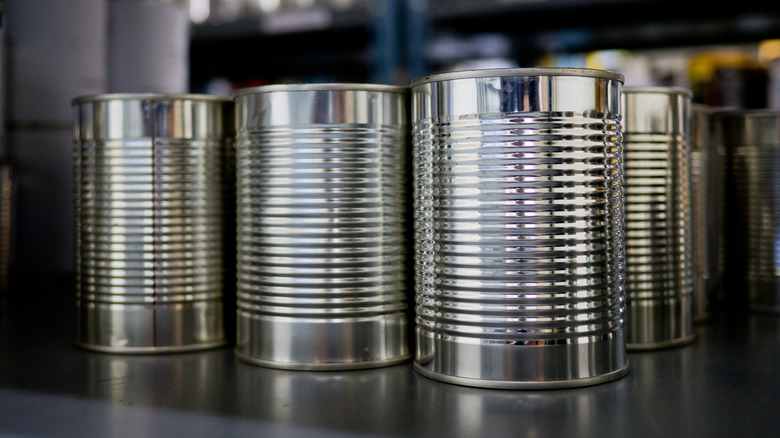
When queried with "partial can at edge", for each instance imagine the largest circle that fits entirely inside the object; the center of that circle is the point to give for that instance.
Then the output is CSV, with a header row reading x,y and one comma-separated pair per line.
x,y
751,140
519,264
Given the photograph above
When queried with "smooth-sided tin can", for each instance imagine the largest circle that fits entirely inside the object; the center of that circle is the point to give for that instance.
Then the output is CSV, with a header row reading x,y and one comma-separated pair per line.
x,y
707,183
321,225
658,201
519,263
150,227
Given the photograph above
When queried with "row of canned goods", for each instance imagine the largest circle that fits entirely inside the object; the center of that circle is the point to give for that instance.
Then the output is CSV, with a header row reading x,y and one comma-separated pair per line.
x,y
548,221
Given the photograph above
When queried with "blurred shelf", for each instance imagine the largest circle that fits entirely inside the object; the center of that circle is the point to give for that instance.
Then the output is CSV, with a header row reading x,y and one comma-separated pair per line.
x,y
291,22
536,27
361,44
338,53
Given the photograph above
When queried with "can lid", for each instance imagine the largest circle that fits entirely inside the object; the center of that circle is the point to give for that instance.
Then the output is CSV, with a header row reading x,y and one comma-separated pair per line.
x,y
504,72
149,96
650,89
325,86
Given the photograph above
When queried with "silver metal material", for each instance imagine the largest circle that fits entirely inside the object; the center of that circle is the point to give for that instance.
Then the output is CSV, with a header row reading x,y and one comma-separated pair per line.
x,y
518,227
707,176
149,221
751,139
321,215
659,241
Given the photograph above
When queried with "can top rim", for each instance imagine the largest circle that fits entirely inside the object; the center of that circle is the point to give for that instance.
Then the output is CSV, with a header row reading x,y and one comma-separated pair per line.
x,y
149,96
325,86
532,71
657,89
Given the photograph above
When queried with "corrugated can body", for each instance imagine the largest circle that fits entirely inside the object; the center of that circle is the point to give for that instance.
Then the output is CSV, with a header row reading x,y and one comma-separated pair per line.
x,y
519,264
751,139
658,199
321,217
149,184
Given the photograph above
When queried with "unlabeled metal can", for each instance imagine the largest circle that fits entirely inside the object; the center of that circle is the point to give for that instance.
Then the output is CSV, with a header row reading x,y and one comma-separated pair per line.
x,y
320,214
149,221
752,142
519,227
659,243
707,175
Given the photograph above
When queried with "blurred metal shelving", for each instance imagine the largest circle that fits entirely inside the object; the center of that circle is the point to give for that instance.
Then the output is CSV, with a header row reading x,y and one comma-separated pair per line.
x,y
390,40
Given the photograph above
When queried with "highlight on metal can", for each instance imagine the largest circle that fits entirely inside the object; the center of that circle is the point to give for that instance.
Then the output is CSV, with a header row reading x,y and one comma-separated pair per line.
x,y
751,139
658,199
149,186
518,223
321,217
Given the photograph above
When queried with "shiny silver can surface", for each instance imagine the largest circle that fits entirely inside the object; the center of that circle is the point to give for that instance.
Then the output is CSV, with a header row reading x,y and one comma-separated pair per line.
x,y
150,225
658,199
518,227
707,183
321,218
751,139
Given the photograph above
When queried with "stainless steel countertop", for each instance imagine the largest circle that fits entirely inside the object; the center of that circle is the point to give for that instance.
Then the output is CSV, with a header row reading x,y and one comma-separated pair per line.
x,y
724,384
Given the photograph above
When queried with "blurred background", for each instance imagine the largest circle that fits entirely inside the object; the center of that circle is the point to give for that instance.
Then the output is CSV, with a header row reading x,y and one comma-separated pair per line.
x,y
53,51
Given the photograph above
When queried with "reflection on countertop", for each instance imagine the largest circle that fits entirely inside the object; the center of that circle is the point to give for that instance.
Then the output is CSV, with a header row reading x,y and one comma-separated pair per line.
x,y
721,384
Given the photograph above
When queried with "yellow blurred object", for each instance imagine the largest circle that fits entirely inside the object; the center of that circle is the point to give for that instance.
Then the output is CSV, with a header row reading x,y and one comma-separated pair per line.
x,y
614,60
768,50
728,77
703,66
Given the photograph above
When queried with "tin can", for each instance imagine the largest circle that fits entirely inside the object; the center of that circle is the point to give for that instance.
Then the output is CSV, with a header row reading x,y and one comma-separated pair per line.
x,y
149,221
658,198
321,219
751,139
707,177
518,223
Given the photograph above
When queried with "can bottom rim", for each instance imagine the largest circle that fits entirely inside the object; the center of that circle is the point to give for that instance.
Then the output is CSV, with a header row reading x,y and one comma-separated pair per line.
x,y
297,366
152,350
497,384
641,346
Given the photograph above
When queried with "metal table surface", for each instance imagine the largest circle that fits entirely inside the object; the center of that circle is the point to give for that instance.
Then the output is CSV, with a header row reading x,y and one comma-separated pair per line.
x,y
726,383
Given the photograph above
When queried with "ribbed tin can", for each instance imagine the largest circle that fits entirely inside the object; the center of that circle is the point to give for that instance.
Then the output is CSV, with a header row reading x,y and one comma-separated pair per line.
x,y
321,220
658,199
707,182
752,142
519,263
150,225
